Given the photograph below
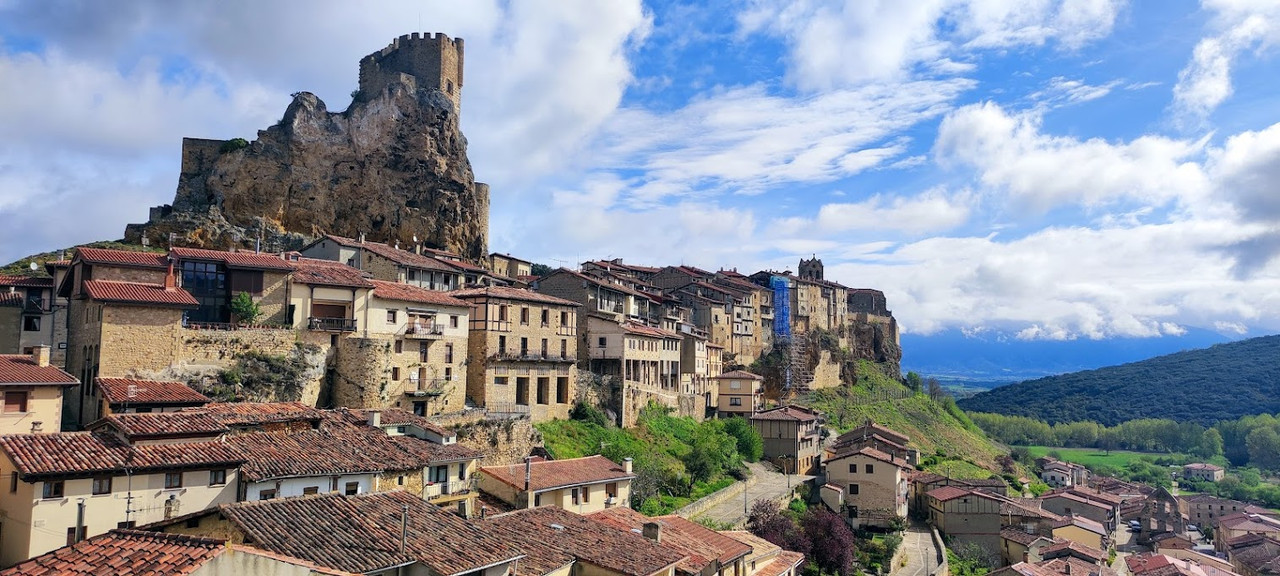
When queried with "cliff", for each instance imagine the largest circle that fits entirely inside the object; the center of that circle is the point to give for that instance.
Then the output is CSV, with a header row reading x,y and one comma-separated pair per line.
x,y
393,166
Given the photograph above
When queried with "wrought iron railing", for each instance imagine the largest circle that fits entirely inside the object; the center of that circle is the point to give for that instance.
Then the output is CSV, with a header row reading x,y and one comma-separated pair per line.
x,y
331,324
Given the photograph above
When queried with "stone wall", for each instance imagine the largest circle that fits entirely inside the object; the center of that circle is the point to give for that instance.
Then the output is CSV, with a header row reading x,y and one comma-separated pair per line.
x,y
209,348
362,372
137,340
274,300
10,329
503,441
634,399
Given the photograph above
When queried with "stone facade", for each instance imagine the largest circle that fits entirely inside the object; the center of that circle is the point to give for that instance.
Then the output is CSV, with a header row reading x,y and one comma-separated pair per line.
x,y
875,491
433,60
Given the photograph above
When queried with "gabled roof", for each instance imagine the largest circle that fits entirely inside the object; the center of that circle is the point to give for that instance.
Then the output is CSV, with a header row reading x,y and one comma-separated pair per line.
x,y
1017,534
1076,499
124,258
641,330
401,257
870,428
26,281
552,537
150,392
551,474
139,293
702,546
390,417
406,293
946,493
1081,522
243,260
139,553
156,425
363,533
1072,548
76,454
506,293
247,414
316,272
23,369
738,375
792,413
301,453
874,454
1203,466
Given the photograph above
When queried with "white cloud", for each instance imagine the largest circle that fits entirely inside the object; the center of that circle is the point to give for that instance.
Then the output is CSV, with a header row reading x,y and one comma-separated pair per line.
x,y
933,211
1063,90
1205,82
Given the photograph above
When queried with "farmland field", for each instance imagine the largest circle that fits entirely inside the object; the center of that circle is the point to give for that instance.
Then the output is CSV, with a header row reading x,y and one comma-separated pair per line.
x,y
1093,457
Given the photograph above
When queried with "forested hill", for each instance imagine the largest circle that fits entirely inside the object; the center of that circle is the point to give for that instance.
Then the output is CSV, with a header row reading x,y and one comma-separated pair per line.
x,y
1224,381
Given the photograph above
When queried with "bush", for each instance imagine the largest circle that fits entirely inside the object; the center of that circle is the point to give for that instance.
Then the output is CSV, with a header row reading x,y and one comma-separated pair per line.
x,y
750,445
583,412
233,144
245,309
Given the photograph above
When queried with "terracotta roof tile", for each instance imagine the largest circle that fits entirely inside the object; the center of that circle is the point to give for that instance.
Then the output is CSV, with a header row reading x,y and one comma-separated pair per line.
x,y
316,272
124,553
1017,534
138,293
787,562
391,417
26,281
946,493
871,428
788,413
402,257
362,533
1081,522
553,537
642,330
237,259
154,425
300,453
126,258
740,375
548,474
407,293
22,369
702,546
1069,547
874,454
246,414
506,293
12,300
84,453
152,392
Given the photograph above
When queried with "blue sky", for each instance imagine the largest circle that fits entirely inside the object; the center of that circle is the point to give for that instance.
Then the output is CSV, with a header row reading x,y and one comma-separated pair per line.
x,y
1052,169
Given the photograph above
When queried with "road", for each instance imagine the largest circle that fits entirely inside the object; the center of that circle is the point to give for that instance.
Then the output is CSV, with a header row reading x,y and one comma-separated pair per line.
x,y
771,485
920,553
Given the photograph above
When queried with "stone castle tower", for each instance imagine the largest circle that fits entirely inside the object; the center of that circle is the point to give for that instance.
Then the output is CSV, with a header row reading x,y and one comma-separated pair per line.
x,y
428,60
811,269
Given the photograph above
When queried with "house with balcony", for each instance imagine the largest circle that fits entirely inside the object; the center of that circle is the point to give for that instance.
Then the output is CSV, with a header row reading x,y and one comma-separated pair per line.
x,y
741,393
328,297
580,485
214,277
33,391
522,351
26,313
792,435
68,486
416,267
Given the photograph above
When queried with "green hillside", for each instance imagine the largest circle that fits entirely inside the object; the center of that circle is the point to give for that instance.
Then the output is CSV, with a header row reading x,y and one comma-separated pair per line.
x,y
934,426
1222,382
23,266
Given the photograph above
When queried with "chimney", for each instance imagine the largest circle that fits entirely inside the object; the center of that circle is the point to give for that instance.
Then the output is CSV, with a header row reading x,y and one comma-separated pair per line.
x,y
362,237
528,472
626,465
653,531
40,355
170,280
375,418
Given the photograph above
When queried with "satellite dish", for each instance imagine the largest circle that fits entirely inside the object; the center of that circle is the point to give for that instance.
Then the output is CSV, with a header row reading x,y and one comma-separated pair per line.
x,y
34,266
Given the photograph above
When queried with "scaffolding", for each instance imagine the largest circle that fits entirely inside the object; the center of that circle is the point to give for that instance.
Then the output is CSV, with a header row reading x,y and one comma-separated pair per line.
x,y
782,321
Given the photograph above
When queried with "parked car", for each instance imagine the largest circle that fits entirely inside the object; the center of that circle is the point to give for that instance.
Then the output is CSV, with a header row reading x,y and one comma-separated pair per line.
x,y
1192,528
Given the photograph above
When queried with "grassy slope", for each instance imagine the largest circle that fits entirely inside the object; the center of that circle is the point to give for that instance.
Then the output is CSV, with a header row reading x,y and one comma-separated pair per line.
x,y
21,267
929,425
1093,457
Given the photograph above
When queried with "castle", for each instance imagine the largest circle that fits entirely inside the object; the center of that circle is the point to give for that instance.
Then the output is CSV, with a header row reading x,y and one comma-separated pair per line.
x,y
420,60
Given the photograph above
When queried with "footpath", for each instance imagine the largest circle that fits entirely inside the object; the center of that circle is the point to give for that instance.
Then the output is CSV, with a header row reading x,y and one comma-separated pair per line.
x,y
919,550
726,506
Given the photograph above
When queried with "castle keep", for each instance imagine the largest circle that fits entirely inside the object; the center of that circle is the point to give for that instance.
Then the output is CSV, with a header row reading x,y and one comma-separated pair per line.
x,y
432,61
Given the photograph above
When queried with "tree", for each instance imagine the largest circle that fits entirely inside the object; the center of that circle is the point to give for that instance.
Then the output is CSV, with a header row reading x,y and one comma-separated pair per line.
x,y
834,547
245,309
767,520
915,382
750,444
710,453
935,389
1264,448
1210,444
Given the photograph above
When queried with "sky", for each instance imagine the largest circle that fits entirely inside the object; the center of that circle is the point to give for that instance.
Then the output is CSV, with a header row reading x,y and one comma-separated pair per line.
x,y
1049,169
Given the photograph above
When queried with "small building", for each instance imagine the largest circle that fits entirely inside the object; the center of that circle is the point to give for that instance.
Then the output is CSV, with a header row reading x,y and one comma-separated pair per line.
x,y
215,277
1155,564
741,393
791,437
557,541
424,338
1070,504
872,435
581,485
1202,472
1254,555
1021,545
27,311
767,558
1059,474
133,395
1084,531
388,263
1205,509
873,485
139,553
707,552
1240,524
33,391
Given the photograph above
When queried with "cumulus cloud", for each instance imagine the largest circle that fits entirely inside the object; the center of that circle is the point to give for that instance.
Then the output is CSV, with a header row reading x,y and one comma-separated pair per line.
x,y
1205,82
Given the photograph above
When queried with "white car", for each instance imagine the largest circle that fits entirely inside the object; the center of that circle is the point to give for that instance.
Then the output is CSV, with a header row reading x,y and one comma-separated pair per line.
x,y
1192,528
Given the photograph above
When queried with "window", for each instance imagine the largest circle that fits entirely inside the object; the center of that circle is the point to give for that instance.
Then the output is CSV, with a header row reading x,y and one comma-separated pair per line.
x,y
735,401
735,385
537,500
247,281
268,494
586,494
524,346
399,346
172,480
395,373
102,485
53,489
422,352
546,317
193,522
499,380
564,318
391,316
15,402
564,348
502,313
217,477
853,489
30,323
13,482
573,495
870,469
524,315
448,353
544,346
352,488
611,489
502,344
562,390
853,468
71,535
400,480
310,490
603,340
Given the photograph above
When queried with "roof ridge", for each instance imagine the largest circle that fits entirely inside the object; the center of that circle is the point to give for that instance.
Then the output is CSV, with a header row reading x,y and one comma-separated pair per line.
x,y
169,536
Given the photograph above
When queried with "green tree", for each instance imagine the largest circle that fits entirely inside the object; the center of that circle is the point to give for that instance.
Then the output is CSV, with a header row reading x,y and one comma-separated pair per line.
x,y
245,309
1264,448
915,382
750,444
1210,444
710,453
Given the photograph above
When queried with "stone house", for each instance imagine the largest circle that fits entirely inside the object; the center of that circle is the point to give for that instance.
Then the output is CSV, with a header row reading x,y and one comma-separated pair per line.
x,y
329,297
387,263
580,485
1066,503
33,392
872,487
1059,474
100,477
509,266
924,482
791,437
1254,555
1205,509
646,360
1241,524
133,395
741,393
1019,545
1202,472
970,515
27,308
766,558
872,435
643,274
522,352
215,277
557,541
707,552
1082,530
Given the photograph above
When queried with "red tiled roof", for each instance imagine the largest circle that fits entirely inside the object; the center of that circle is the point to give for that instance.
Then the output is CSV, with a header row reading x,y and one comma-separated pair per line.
x,y
1017,534
946,493
138,293
300,453
870,428
1202,466
251,260
1069,547
314,271
391,417
22,369
125,553
785,563
549,474
1081,522
12,299
26,281
700,544
153,425
739,375
552,537
874,454
506,293
787,413
407,293
83,453
126,258
402,257
243,414
642,330
152,392
363,533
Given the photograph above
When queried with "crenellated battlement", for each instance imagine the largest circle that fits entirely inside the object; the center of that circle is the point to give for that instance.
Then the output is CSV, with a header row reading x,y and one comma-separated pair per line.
x,y
434,60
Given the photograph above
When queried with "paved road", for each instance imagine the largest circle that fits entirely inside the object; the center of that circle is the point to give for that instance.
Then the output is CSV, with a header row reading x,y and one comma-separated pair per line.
x,y
771,485
920,553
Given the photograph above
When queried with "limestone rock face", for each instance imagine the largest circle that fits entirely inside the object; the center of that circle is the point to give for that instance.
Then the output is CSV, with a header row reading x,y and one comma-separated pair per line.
x,y
393,166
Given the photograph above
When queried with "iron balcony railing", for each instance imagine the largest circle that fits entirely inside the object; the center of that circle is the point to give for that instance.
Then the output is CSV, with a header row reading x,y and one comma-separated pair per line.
x,y
431,387
424,330
530,356
331,324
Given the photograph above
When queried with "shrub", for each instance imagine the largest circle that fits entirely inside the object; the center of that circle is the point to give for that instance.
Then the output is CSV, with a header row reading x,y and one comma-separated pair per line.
x,y
583,412
750,445
246,310
233,144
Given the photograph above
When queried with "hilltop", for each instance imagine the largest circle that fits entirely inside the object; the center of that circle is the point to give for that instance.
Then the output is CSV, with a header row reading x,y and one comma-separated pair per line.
x,y
1224,381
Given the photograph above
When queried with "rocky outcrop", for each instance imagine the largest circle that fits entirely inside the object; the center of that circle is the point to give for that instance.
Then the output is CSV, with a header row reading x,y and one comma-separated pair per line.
x,y
877,341
393,166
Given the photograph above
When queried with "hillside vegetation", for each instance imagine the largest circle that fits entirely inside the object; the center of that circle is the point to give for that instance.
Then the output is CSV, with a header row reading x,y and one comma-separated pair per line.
x,y
22,266
935,426
1222,382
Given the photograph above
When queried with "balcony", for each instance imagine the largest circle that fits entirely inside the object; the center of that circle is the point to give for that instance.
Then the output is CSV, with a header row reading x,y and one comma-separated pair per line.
x,y
449,490
36,305
424,331
433,387
565,330
529,356
331,324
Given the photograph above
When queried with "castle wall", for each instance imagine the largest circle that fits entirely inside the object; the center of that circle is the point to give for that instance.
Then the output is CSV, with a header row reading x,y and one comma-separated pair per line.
x,y
434,60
